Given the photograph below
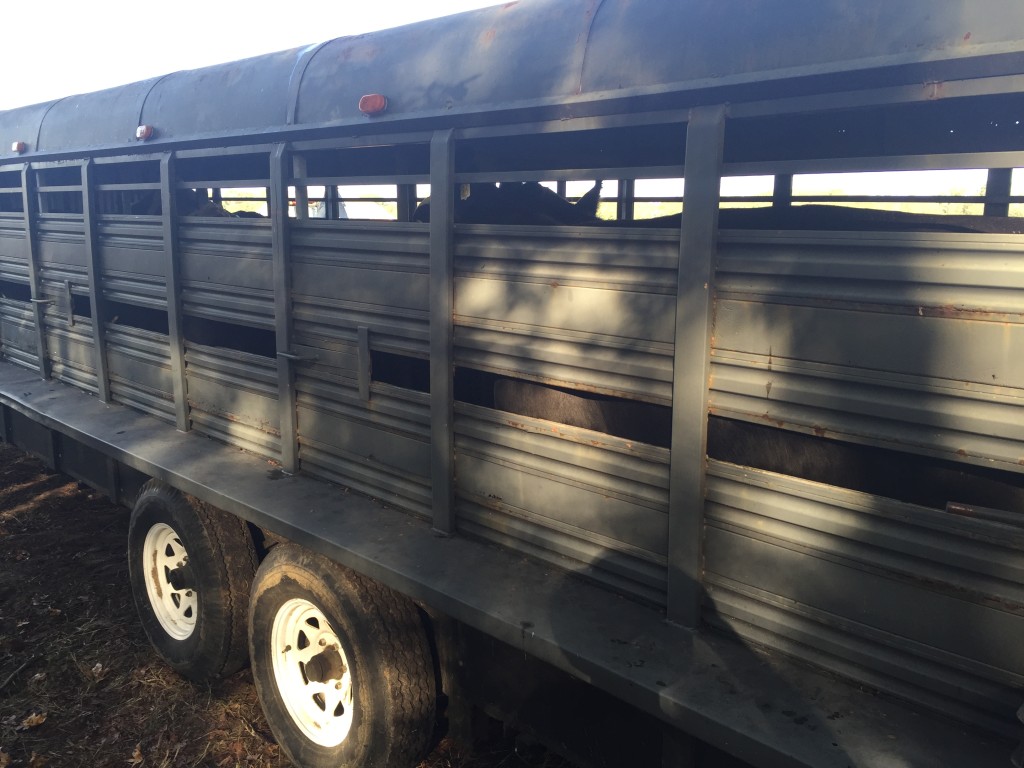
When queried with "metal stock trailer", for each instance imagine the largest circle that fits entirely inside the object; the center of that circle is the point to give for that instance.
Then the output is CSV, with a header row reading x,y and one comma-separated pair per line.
x,y
299,404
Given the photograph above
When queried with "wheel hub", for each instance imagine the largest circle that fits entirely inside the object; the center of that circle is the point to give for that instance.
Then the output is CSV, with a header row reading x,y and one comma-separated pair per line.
x,y
170,583
312,673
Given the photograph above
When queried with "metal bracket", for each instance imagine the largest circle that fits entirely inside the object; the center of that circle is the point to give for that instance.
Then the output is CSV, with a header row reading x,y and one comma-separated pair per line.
x,y
295,358
365,363
71,303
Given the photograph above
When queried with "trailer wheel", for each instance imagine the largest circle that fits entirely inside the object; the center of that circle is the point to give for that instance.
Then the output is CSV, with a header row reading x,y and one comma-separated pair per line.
x,y
191,568
342,664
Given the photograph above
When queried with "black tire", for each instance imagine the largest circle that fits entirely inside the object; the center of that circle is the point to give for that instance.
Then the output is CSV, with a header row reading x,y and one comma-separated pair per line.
x,y
210,591
383,664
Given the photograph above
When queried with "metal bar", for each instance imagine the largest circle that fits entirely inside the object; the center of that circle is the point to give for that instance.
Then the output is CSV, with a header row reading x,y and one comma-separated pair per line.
x,y
442,301
627,197
132,187
169,206
218,185
879,97
705,137
968,160
70,298
355,181
93,271
406,201
220,150
782,190
997,191
364,363
301,187
280,251
30,206
588,174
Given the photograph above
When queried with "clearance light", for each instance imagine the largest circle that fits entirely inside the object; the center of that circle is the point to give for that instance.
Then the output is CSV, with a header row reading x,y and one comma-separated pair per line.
x,y
144,132
19,147
373,104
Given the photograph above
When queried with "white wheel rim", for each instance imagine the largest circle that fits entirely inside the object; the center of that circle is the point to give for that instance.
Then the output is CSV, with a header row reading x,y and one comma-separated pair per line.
x,y
175,609
305,648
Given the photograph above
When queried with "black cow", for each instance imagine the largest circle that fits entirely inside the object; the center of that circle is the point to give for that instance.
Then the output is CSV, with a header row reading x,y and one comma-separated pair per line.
x,y
519,203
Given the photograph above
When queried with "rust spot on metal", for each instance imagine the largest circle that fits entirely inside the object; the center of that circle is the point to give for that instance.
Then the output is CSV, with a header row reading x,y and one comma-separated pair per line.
x,y
967,37
487,37
961,452
819,430
154,574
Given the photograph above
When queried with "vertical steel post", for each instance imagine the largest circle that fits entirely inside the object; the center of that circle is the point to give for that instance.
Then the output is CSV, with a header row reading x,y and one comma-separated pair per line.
x,y
94,270
625,207
301,191
169,210
30,206
442,302
997,191
782,190
282,275
705,137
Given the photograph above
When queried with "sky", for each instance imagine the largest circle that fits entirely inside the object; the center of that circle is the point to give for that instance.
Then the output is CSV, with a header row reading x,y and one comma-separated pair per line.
x,y
77,46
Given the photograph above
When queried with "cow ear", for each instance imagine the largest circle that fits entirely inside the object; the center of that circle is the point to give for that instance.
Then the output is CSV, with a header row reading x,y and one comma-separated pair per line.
x,y
591,200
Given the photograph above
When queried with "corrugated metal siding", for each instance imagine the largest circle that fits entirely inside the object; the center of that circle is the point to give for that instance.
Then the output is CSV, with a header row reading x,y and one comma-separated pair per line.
x,y
583,500
70,349
233,397
226,272
346,275
13,248
60,241
903,340
17,333
132,260
906,599
590,309
907,340
139,365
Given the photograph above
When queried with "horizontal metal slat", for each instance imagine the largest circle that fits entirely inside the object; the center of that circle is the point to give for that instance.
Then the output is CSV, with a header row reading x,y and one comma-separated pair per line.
x,y
139,366
639,371
886,579
976,423
255,439
565,551
408,492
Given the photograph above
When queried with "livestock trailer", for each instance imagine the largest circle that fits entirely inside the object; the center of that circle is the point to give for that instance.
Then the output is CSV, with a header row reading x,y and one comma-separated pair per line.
x,y
727,466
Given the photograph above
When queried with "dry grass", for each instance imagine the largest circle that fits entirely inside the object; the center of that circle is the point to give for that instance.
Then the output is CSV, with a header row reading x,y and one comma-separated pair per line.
x,y
79,684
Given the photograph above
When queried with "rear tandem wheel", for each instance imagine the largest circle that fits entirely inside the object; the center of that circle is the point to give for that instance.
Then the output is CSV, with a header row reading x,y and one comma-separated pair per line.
x,y
342,664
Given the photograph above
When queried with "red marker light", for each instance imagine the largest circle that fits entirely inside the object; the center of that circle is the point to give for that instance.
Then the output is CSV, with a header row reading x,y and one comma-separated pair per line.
x,y
144,132
19,147
373,104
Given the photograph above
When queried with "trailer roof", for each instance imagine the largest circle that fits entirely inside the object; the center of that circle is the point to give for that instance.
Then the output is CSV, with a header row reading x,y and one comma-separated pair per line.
x,y
545,57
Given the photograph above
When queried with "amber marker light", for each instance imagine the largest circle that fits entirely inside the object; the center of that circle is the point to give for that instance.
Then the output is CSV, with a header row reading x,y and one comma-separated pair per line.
x,y
144,132
373,104
19,147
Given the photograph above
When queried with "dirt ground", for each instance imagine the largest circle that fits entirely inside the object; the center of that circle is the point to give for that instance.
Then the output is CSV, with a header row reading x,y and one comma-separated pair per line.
x,y
79,684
